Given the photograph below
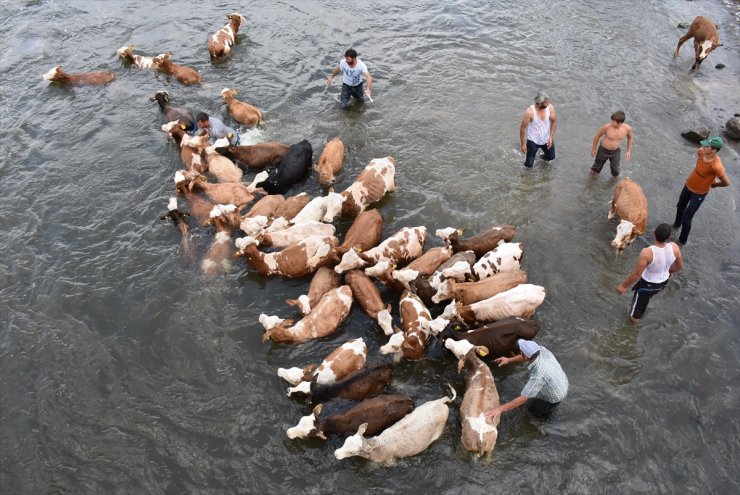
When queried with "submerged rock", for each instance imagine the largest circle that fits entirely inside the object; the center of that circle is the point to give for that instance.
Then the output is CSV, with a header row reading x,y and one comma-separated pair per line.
x,y
732,128
696,135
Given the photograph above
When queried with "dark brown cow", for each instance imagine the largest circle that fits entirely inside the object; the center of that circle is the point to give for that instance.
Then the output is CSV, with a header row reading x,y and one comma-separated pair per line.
x,y
363,383
258,156
379,413
481,243
499,337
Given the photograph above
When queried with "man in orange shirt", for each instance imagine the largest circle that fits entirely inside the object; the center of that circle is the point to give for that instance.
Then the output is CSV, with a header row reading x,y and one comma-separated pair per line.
x,y
707,173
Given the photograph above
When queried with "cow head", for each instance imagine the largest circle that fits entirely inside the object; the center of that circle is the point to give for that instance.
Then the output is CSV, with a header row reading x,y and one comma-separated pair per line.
x,y
306,427
333,203
354,445
625,235
705,48
54,74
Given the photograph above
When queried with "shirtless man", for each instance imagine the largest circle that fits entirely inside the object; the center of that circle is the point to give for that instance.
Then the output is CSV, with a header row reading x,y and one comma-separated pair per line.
x,y
537,130
613,133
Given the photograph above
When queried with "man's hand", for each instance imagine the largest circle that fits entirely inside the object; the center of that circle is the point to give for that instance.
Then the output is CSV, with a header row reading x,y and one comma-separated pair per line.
x,y
502,361
329,80
621,288
593,152
524,148
493,413
549,142
629,155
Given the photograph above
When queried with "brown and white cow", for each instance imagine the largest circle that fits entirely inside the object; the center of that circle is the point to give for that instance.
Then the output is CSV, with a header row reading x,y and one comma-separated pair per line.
x,y
457,267
219,45
410,436
320,209
341,362
521,301
324,320
295,233
219,255
481,243
95,77
241,111
126,53
364,233
200,208
505,258
294,261
377,179
330,162
185,75
706,39
178,218
378,413
190,157
367,295
423,266
324,280
479,433
259,215
405,245
410,341
471,292
630,205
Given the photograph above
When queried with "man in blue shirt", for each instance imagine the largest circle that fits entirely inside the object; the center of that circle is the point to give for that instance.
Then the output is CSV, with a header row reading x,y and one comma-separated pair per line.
x,y
547,384
215,128
353,69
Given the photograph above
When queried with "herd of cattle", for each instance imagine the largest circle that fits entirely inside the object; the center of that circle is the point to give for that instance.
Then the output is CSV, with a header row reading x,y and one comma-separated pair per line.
x,y
474,285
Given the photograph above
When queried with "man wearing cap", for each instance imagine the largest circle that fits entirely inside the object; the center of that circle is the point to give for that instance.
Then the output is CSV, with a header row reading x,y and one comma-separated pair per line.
x,y
707,173
215,128
547,384
537,130
353,70
654,268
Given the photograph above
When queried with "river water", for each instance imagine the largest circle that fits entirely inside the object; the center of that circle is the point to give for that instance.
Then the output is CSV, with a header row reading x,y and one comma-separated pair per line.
x,y
124,370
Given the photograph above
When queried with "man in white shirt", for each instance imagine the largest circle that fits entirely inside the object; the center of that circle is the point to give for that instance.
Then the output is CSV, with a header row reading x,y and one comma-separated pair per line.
x,y
353,69
537,130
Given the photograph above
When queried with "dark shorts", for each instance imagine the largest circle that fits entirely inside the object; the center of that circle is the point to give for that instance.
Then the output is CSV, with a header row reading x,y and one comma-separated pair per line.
x,y
351,91
532,147
644,290
602,155
541,408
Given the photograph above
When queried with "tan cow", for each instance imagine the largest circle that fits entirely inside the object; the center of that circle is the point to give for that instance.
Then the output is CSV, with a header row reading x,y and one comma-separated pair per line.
x,y
241,111
223,169
325,319
367,296
219,256
630,204
330,162
364,233
706,39
324,280
96,77
472,292
185,75
295,261
235,193
377,179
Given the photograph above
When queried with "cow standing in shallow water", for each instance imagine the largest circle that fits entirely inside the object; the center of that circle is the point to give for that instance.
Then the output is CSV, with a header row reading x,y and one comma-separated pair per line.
x,y
706,39
630,204
96,77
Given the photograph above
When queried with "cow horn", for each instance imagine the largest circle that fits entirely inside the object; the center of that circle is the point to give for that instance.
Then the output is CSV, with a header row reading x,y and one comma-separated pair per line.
x,y
482,351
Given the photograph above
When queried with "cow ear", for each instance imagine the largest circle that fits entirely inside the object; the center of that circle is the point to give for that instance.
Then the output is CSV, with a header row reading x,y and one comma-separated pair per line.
x,y
317,410
361,430
482,351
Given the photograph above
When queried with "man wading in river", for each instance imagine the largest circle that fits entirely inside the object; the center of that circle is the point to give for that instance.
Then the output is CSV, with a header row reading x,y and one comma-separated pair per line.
x,y
654,268
613,133
537,130
547,384
353,70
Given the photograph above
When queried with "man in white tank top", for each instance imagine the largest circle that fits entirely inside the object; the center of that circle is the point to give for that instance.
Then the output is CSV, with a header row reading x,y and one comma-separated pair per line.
x,y
654,268
537,130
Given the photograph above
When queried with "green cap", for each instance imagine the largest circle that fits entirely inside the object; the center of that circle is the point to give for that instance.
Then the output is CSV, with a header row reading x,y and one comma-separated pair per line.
x,y
714,141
